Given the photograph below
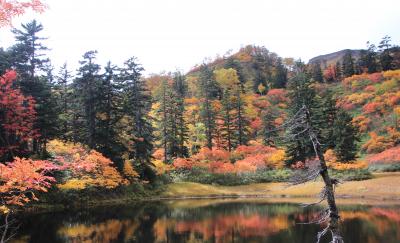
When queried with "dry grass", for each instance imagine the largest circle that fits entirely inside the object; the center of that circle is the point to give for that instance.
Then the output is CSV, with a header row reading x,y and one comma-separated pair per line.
x,y
382,186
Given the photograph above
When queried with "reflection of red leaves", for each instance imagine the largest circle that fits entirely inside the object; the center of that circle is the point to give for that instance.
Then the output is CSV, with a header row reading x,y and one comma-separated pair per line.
x,y
388,213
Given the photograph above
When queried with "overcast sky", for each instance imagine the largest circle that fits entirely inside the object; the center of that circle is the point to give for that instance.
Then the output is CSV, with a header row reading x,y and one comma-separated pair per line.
x,y
166,35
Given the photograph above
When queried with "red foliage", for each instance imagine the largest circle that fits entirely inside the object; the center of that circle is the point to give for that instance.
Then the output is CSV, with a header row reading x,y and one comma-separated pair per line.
x,y
330,73
17,115
11,8
369,88
181,163
256,124
372,107
277,95
389,156
214,154
376,77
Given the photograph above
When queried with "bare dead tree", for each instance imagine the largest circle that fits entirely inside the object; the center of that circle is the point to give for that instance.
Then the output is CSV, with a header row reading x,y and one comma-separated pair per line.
x,y
301,125
9,228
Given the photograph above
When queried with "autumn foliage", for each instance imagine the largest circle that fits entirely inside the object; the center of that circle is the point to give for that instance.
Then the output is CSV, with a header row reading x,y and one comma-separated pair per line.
x,y
87,168
243,159
21,179
12,8
17,115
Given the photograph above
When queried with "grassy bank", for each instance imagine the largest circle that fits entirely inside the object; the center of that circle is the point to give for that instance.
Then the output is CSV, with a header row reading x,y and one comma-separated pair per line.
x,y
382,186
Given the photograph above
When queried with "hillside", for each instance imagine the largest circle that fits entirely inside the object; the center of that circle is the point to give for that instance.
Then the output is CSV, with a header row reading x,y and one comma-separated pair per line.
x,y
332,58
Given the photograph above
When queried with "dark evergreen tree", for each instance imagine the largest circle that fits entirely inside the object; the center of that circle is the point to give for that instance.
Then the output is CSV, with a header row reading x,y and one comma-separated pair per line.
x,y
368,59
279,79
139,128
180,91
385,57
338,71
301,94
209,90
242,122
229,125
261,65
86,89
109,111
35,79
5,61
345,137
64,103
316,73
270,130
347,65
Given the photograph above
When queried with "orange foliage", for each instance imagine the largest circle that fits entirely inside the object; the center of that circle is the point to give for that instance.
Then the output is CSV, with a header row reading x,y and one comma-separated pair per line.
x,y
21,178
88,168
376,144
373,107
362,123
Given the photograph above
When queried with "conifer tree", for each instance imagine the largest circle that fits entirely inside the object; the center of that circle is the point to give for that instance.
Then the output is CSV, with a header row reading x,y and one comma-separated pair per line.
x,y
345,137
180,90
86,88
209,90
347,65
27,56
64,102
385,57
139,128
280,77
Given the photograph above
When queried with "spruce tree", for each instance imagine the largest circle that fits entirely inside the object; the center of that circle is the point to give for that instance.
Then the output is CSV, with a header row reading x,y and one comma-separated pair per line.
x,y
345,137
86,89
35,78
209,91
385,57
301,94
180,90
348,65
279,80
137,106
64,103
316,73
228,126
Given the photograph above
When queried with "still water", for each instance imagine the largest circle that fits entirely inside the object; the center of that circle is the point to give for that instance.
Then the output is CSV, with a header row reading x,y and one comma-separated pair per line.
x,y
207,221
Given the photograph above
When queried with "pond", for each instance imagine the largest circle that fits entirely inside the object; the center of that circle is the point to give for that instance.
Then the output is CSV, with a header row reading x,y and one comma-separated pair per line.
x,y
238,220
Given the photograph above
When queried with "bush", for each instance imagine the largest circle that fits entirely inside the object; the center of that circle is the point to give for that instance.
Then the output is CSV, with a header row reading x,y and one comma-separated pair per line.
x,y
201,175
351,175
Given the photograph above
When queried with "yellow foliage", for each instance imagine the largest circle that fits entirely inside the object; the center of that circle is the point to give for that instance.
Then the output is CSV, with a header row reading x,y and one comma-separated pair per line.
x,y
129,171
74,184
227,78
4,209
161,167
276,159
392,74
332,162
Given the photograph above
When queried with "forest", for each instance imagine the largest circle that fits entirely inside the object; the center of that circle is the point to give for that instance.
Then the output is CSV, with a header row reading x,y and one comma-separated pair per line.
x,y
105,132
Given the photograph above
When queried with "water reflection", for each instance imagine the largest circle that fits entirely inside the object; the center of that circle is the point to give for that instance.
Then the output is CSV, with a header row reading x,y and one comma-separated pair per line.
x,y
207,221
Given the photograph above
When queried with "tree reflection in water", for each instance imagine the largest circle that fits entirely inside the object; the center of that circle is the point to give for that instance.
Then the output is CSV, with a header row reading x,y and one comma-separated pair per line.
x,y
231,221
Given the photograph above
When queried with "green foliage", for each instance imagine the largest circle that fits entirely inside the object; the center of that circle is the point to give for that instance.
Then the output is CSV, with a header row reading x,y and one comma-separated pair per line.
x,y
231,179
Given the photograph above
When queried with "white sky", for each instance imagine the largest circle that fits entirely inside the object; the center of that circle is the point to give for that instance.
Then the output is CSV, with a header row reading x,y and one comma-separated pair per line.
x,y
166,35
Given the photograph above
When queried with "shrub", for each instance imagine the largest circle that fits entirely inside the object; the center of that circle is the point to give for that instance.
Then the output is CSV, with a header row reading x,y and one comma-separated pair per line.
x,y
389,156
